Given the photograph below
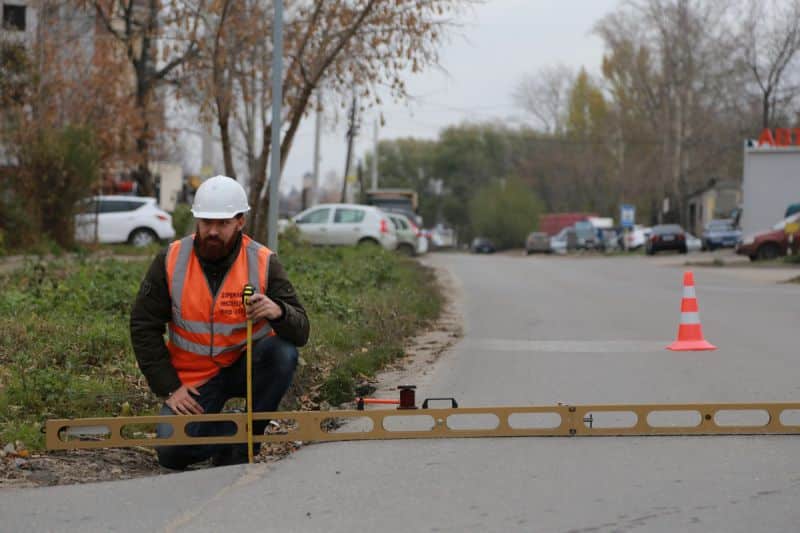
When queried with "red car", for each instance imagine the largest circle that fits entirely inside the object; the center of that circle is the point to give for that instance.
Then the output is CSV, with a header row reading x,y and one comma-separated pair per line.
x,y
772,243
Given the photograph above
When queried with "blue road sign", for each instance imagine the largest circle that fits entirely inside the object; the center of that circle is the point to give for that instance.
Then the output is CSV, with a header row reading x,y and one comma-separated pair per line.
x,y
627,214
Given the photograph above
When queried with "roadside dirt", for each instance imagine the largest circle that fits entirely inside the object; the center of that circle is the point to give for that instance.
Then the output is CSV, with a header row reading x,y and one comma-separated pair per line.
x,y
21,469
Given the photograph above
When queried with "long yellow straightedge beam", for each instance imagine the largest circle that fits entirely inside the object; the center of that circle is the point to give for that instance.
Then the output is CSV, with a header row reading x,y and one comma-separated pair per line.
x,y
527,421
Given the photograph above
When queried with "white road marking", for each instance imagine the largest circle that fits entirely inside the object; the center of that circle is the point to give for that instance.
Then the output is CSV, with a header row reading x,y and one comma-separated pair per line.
x,y
572,346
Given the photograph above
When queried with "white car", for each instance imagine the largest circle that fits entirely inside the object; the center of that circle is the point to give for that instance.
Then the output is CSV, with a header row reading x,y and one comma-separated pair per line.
x,y
117,219
408,233
636,237
558,242
346,224
440,237
422,244
693,244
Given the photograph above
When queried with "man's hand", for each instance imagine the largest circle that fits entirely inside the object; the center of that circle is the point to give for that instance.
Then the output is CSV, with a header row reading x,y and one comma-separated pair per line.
x,y
182,402
262,307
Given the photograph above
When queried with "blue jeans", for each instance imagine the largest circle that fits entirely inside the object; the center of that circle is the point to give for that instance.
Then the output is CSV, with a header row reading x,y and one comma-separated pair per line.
x,y
274,362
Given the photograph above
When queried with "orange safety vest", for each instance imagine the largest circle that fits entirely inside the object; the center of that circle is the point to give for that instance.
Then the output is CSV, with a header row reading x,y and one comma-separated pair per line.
x,y
209,332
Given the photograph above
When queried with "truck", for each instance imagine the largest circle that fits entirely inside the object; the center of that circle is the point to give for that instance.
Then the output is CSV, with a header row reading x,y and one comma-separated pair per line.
x,y
552,223
402,201
770,180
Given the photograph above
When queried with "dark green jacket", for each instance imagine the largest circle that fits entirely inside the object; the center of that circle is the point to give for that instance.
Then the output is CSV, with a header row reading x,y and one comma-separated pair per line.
x,y
152,310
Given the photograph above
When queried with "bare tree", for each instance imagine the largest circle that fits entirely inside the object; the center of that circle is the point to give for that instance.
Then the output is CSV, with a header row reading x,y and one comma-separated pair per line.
x,y
669,61
341,43
545,95
770,40
65,119
222,73
157,37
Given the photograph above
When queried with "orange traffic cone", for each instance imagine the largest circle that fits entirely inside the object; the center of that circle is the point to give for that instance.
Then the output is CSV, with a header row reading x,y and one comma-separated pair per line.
x,y
690,332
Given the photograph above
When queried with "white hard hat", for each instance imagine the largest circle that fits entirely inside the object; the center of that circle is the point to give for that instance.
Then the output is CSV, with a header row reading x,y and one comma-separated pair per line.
x,y
219,197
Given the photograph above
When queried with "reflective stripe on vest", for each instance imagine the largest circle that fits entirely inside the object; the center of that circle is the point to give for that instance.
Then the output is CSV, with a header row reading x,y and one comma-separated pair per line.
x,y
203,350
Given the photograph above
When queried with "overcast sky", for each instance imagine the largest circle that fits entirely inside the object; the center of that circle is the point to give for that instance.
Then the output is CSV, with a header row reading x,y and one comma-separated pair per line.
x,y
499,42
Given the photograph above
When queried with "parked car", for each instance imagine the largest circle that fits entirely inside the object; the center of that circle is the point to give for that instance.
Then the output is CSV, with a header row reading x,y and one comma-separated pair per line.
x,y
537,242
441,236
720,233
408,234
771,243
666,237
564,241
634,238
426,240
482,245
587,235
423,244
604,232
136,220
346,224
693,244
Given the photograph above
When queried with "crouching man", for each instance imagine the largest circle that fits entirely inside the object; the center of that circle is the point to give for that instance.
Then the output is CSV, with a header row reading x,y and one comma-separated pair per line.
x,y
193,290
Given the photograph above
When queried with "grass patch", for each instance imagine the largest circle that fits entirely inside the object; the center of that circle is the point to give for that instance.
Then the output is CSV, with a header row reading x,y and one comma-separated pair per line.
x,y
65,349
363,304
123,249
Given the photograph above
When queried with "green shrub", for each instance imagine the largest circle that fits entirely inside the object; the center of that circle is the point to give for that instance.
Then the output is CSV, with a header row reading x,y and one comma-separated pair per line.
x,y
505,213
182,220
56,169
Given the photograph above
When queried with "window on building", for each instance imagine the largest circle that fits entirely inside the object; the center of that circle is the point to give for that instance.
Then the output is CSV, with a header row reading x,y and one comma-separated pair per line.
x,y
14,17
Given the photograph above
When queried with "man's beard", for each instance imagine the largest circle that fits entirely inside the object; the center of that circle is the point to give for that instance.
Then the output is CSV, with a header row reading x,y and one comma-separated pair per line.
x,y
214,248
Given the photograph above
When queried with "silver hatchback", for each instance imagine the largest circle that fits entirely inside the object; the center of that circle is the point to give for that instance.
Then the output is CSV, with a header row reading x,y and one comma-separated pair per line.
x,y
346,224
408,234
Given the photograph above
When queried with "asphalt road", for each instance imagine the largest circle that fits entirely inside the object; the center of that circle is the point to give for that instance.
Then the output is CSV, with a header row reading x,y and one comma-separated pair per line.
x,y
537,330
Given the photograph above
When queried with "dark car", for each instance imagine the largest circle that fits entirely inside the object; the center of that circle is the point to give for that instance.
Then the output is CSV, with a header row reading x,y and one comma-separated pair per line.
x,y
482,245
720,234
666,237
772,243
537,242
587,235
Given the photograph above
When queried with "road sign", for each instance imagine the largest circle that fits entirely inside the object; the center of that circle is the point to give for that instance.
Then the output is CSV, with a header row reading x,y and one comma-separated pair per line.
x,y
627,215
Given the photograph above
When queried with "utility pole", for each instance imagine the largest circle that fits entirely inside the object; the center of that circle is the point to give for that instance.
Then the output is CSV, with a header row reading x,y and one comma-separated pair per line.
x,y
275,151
317,134
375,157
352,131
360,173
